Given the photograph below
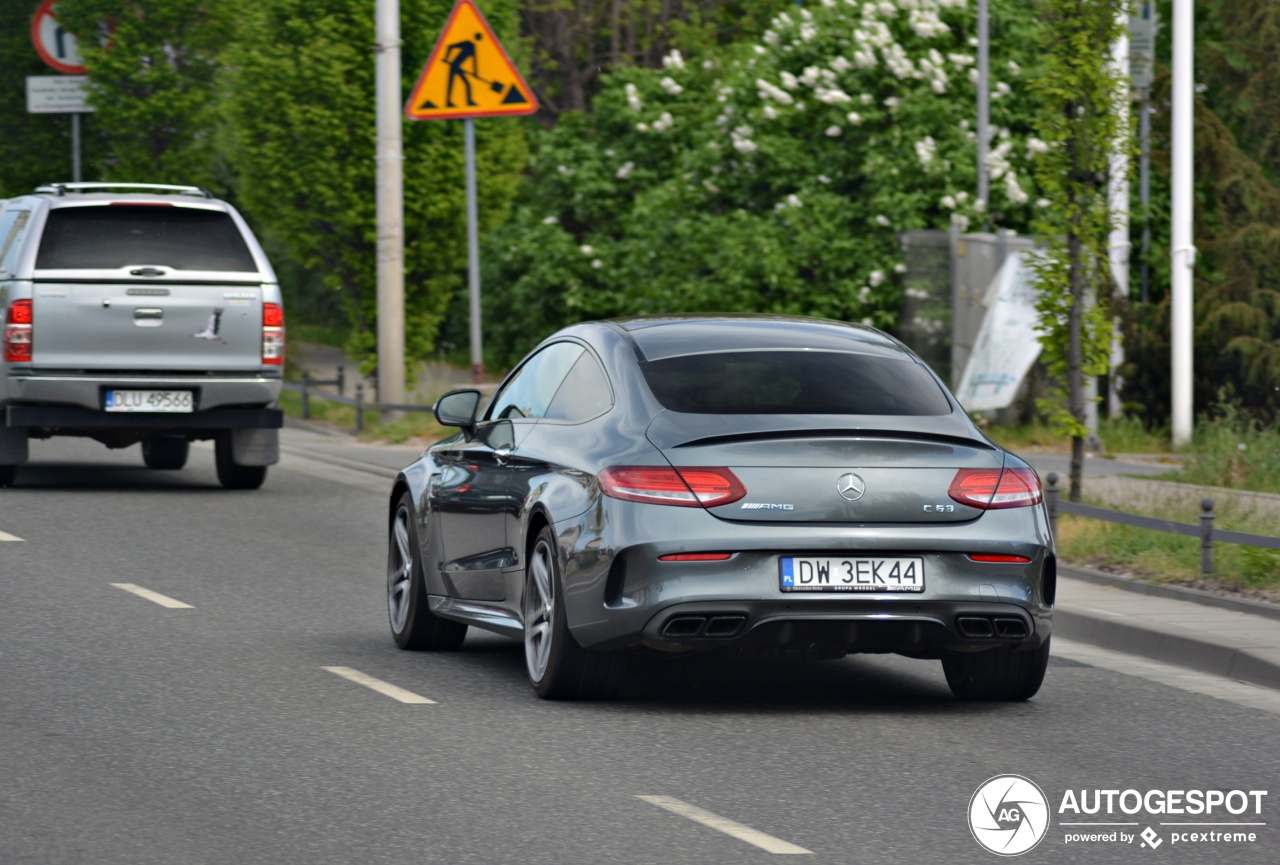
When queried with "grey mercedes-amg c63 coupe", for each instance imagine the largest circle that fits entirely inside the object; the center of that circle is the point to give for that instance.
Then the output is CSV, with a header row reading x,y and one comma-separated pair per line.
x,y
757,484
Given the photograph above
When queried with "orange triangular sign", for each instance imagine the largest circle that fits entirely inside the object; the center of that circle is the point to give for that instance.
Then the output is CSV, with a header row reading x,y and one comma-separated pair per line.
x,y
469,74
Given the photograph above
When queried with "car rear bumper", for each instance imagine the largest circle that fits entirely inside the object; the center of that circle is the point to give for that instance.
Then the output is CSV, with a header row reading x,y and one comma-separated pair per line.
x,y
86,391
922,628
61,417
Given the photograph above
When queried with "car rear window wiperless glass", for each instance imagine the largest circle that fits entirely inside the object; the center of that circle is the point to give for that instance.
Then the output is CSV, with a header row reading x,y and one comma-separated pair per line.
x,y
795,382
115,236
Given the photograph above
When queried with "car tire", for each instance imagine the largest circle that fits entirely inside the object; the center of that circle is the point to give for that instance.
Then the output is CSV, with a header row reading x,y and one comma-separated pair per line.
x,y
413,626
165,452
231,474
7,475
997,674
559,668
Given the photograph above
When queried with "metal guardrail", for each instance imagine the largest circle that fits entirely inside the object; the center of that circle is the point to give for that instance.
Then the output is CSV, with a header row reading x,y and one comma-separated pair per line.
x,y
1205,530
308,387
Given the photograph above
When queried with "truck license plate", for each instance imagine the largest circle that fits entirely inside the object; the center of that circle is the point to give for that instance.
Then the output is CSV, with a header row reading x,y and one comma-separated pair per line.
x,y
170,401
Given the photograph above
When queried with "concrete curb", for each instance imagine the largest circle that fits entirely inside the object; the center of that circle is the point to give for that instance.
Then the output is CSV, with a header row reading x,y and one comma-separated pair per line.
x,y
1174,593
1241,664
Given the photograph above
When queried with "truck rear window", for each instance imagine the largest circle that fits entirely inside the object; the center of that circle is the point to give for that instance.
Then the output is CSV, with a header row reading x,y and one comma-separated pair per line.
x,y
794,382
114,236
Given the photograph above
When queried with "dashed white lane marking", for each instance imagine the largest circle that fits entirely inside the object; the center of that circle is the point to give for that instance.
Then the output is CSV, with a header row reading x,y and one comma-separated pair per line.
x,y
765,842
5,536
387,689
154,597
1240,693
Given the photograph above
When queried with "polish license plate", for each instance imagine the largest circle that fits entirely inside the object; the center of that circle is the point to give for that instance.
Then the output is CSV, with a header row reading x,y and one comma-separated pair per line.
x,y
852,574
169,401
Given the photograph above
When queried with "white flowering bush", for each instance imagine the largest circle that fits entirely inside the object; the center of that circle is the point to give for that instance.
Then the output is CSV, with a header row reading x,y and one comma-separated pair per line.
x,y
773,176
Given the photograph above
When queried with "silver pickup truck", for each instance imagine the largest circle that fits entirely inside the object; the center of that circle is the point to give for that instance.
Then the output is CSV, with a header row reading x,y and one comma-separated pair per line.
x,y
139,313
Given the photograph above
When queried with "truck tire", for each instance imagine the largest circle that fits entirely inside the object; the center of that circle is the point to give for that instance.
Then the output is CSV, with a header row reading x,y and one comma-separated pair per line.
x,y
165,452
231,474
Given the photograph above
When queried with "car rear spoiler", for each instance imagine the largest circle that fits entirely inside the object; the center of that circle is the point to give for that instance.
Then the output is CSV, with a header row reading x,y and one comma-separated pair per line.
x,y
677,429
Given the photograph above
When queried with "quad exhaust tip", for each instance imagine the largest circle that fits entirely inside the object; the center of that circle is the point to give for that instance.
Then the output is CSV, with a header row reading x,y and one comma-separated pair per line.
x,y
994,627
686,627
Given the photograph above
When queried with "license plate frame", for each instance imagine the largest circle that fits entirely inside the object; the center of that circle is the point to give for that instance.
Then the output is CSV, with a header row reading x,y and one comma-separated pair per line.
x,y
148,401
851,574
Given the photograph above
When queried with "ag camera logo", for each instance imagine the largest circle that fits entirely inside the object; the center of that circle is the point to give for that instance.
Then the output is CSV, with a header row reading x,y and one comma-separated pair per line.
x,y
1009,815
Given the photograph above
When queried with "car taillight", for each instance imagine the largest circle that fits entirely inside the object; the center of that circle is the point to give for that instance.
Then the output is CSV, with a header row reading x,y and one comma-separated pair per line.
x,y
272,333
683,487
17,332
993,489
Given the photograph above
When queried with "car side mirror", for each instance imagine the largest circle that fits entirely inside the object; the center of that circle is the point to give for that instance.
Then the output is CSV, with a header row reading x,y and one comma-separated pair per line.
x,y
458,408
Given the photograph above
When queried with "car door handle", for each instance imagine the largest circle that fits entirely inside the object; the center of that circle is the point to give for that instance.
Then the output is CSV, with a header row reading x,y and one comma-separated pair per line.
x,y
148,312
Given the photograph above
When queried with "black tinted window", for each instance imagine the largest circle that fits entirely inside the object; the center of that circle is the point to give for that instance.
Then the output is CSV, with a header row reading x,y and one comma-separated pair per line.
x,y
121,235
530,391
584,394
794,382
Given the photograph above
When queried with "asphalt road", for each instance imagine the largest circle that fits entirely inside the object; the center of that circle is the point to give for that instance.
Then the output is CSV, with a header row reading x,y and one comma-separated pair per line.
x,y
135,733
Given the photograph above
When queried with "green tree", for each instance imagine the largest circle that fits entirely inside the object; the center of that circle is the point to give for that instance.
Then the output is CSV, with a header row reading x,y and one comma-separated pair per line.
x,y
153,83
773,175
298,97
1237,149
1079,91
35,148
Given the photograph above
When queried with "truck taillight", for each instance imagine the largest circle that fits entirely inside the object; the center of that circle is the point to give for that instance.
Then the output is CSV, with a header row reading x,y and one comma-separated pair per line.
x,y
272,333
17,332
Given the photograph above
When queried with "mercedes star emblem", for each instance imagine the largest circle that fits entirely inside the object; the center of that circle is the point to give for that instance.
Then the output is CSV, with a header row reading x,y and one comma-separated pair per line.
x,y
851,487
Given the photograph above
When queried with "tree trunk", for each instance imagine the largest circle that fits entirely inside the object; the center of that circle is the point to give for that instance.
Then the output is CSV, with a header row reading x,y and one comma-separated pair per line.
x,y
1075,361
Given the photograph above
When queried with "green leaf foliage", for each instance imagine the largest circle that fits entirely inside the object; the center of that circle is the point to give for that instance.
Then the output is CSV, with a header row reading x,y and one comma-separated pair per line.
x,y
35,148
1237,211
298,97
769,176
1079,91
153,83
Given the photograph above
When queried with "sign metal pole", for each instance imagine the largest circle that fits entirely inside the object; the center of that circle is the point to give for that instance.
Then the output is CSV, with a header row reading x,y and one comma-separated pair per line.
x,y
473,253
75,146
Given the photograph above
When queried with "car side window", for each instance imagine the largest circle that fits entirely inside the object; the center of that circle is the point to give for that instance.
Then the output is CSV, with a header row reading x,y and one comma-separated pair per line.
x,y
12,226
534,385
584,394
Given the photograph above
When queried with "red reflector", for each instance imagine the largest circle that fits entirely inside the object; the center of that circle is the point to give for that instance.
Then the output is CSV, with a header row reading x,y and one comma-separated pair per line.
x,y
686,487
993,489
997,559
17,332
272,315
19,312
695,557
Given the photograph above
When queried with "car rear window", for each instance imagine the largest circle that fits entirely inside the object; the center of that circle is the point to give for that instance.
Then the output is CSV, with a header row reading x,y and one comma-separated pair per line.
x,y
115,236
795,382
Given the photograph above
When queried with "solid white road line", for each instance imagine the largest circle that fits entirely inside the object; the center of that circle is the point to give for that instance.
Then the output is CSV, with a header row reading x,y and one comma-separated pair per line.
x,y
5,536
721,824
385,688
154,597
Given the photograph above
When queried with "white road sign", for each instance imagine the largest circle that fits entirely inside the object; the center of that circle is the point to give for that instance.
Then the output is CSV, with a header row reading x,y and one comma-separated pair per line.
x,y
58,94
56,47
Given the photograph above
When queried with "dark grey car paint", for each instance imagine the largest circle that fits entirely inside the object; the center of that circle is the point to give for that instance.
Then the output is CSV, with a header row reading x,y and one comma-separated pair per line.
x,y
618,594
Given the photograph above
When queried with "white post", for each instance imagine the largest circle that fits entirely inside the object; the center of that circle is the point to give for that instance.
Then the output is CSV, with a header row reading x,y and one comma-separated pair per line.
x,y
1119,203
1184,252
390,204
984,101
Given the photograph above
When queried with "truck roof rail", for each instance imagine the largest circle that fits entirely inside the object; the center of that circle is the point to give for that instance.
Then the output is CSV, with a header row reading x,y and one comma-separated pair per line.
x,y
61,189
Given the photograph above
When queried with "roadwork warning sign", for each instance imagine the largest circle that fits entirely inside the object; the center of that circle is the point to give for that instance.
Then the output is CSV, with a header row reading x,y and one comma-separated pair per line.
x,y
469,74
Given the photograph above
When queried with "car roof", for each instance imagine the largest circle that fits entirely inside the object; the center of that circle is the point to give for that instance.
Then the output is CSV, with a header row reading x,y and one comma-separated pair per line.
x,y
662,336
